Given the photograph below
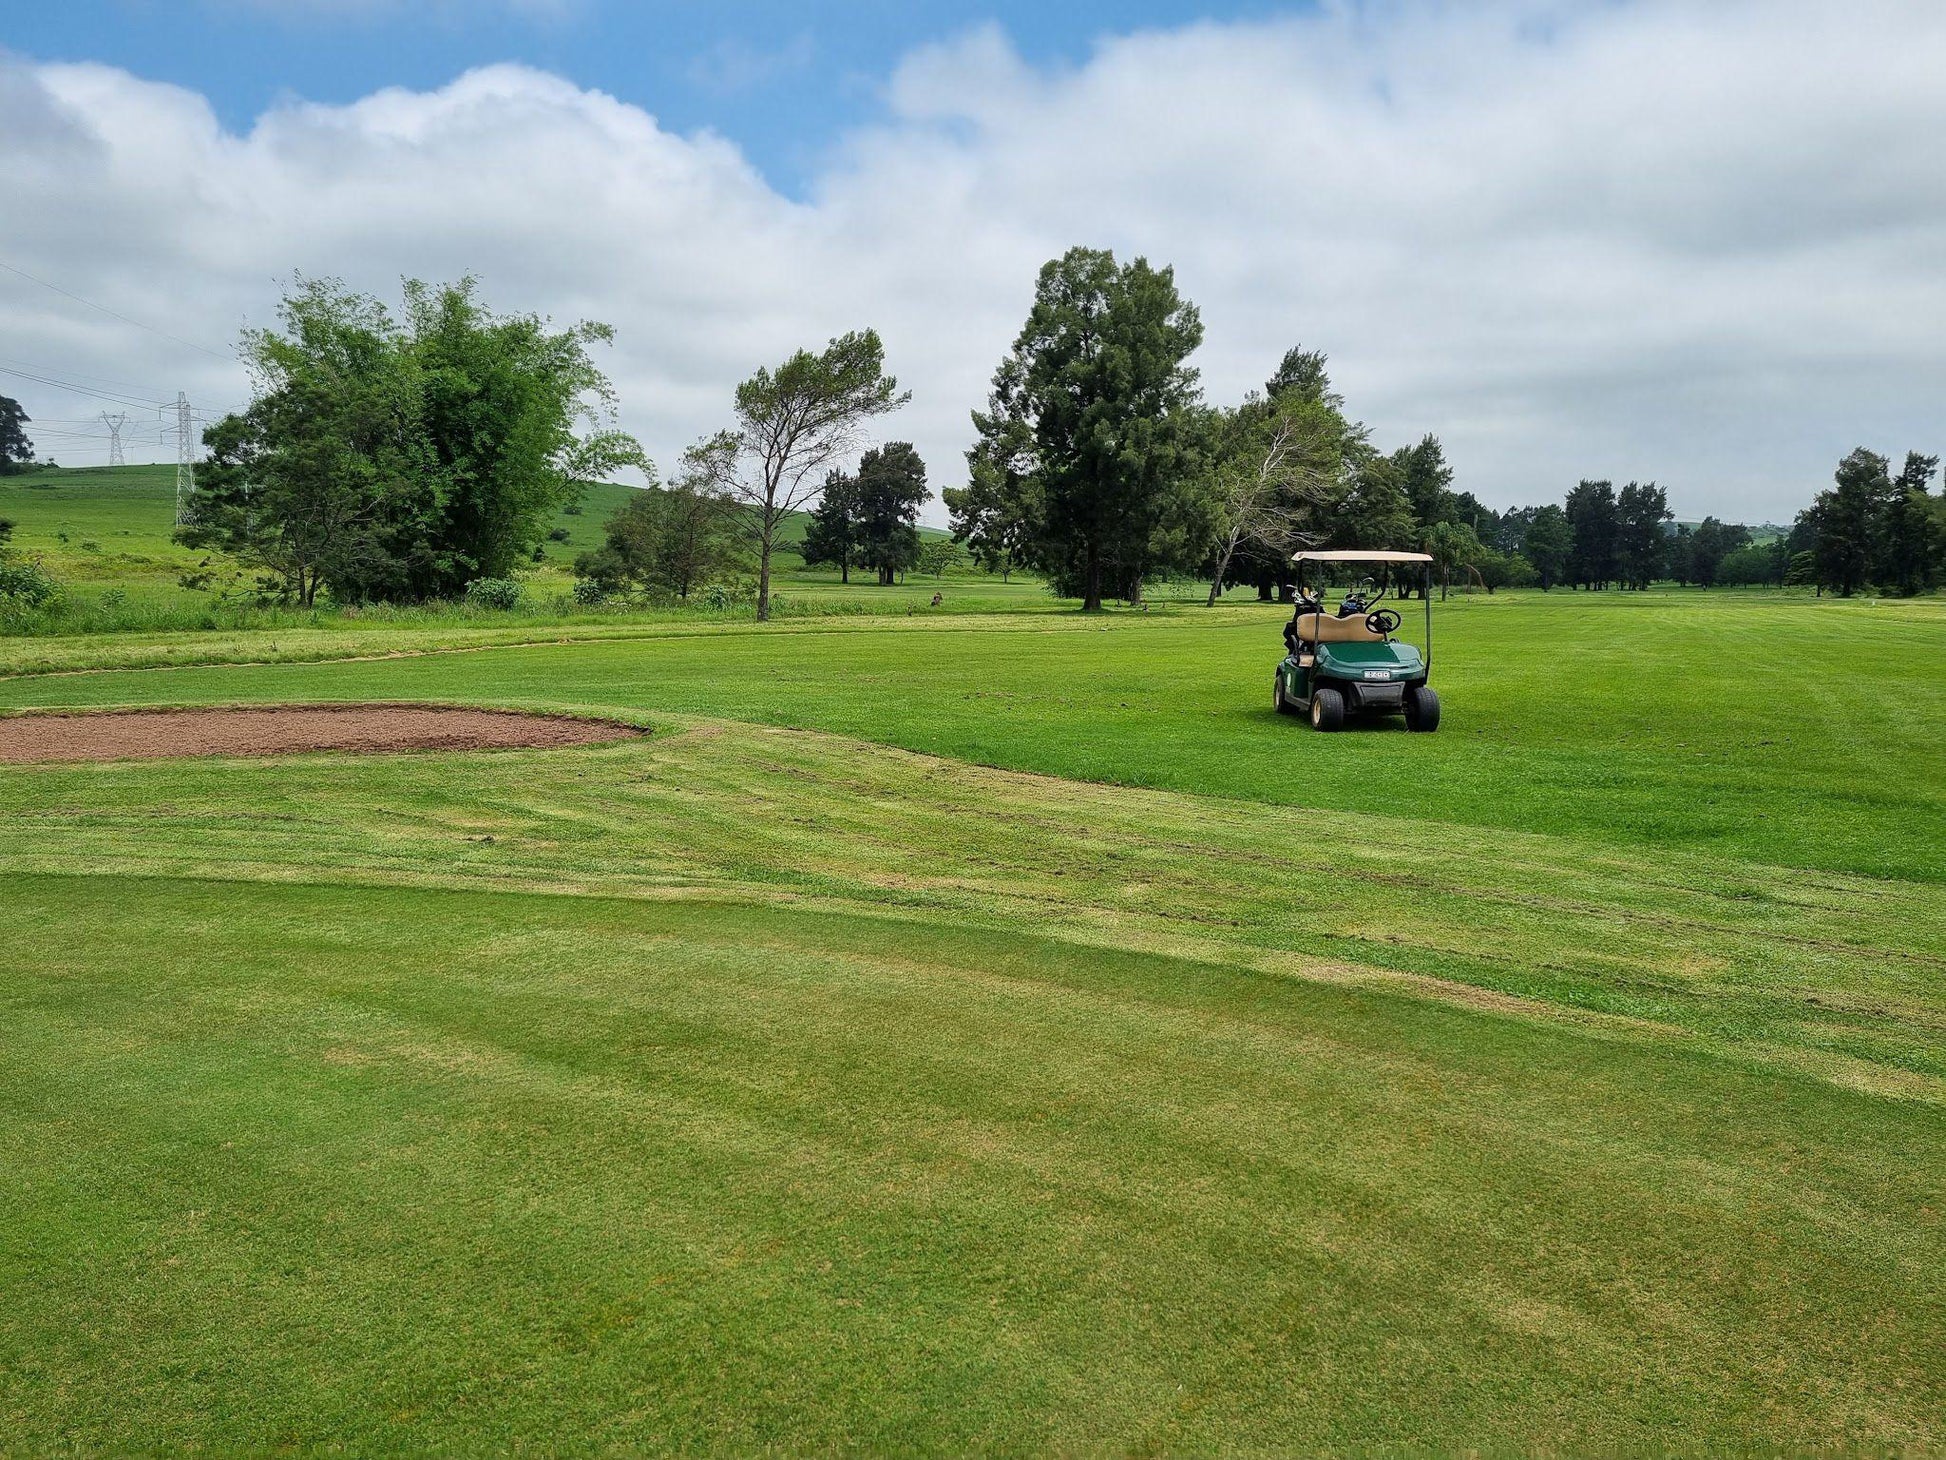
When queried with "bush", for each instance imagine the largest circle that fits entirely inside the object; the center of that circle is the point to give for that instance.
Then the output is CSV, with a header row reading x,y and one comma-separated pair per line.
x,y
588,592
24,582
493,593
559,534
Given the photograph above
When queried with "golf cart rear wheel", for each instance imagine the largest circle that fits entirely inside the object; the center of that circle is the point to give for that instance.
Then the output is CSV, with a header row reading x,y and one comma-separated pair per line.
x,y
1327,709
1421,708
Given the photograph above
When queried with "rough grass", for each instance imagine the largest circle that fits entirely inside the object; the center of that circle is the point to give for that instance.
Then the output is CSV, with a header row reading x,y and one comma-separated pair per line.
x,y
1528,1086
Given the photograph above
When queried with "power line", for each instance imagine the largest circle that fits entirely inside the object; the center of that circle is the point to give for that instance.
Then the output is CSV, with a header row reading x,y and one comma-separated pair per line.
x,y
189,344
113,398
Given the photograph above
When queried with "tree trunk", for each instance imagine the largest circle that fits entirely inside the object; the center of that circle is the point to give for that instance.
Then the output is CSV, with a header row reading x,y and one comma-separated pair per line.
x,y
1091,597
1216,583
844,570
763,575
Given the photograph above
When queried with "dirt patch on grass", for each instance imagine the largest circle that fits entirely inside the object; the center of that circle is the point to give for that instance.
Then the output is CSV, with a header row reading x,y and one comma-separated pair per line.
x,y
288,729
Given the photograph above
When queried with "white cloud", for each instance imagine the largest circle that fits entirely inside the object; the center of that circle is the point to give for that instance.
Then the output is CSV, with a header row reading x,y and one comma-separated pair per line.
x,y
1700,243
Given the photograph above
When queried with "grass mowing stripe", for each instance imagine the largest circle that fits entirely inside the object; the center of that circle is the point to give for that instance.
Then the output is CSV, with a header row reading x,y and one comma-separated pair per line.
x,y
1837,975
408,1169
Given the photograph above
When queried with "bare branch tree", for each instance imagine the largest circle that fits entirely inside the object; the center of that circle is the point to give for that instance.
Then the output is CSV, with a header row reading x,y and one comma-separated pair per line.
x,y
1282,461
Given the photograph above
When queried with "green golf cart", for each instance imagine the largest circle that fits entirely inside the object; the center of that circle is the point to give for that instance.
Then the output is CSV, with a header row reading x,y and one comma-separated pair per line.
x,y
1349,663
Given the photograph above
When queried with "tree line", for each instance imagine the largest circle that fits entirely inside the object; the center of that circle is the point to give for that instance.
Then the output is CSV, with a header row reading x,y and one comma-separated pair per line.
x,y
410,457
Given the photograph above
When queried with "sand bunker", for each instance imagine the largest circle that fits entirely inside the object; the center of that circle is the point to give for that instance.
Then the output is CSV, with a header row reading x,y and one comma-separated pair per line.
x,y
285,729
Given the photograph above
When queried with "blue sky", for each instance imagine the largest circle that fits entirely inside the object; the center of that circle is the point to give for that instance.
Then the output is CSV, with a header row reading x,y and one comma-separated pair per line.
x,y
782,80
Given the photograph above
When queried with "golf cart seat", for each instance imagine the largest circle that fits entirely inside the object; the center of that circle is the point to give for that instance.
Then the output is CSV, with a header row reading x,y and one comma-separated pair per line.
x,y
1321,628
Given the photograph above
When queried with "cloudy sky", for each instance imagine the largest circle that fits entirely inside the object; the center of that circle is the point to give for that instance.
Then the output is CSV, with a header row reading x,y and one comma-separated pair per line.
x,y
1703,243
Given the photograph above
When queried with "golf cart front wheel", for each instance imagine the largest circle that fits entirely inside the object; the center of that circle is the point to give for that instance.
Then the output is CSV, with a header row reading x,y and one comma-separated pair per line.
x,y
1327,709
1284,706
1421,708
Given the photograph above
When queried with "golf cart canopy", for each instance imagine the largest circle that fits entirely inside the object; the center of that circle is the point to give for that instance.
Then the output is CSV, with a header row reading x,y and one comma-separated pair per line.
x,y
1353,555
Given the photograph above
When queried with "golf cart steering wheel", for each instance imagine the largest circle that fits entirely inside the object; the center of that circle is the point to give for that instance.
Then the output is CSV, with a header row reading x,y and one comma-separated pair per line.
x,y
1383,622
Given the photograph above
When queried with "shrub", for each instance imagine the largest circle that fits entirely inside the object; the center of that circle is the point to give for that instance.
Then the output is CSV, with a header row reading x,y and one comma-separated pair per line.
x,y
589,591
24,582
559,534
114,597
493,593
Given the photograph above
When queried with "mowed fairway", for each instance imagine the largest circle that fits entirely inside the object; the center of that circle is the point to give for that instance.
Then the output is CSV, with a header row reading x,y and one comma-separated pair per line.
x,y
1000,1033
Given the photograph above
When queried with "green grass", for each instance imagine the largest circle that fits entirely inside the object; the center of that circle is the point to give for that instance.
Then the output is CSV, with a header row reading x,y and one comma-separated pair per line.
x,y
1662,719
104,533
991,1032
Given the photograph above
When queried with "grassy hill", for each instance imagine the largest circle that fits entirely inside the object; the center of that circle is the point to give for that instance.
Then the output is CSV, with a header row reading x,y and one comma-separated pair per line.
x,y
108,529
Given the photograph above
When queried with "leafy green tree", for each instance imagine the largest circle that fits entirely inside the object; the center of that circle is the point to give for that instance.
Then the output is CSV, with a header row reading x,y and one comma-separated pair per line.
x,y
891,490
325,477
993,517
938,555
1454,549
1640,511
391,460
1087,424
1427,481
1842,521
831,533
1709,545
1549,544
1752,565
16,451
793,425
499,399
1303,375
1592,513
674,539
1909,536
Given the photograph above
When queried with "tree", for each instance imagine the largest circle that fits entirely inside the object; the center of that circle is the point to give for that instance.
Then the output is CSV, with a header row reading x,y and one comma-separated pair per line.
x,y
1454,549
1302,375
1427,481
1274,464
937,555
391,460
831,533
1910,540
1753,564
1640,511
1842,521
499,397
793,425
1709,545
1549,544
674,540
323,477
1086,425
1592,513
991,519
16,451
891,490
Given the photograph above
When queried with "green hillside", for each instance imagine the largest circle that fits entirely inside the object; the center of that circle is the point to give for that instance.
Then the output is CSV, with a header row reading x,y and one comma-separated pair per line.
x,y
100,529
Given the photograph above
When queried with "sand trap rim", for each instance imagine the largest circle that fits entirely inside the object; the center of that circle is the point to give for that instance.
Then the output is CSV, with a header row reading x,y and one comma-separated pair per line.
x,y
51,734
